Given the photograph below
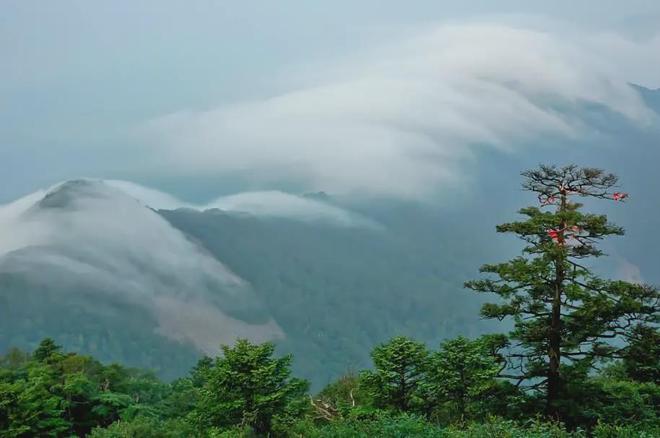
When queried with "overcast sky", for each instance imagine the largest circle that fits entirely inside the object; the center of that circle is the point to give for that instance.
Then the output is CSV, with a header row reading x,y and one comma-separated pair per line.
x,y
302,92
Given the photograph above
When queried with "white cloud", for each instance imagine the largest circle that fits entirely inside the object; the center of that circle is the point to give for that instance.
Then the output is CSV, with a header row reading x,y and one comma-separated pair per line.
x,y
100,235
15,234
270,203
148,196
284,205
86,235
207,327
401,120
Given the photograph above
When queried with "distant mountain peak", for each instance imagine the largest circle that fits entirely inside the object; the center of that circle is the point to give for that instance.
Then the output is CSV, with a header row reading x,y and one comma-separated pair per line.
x,y
320,195
63,195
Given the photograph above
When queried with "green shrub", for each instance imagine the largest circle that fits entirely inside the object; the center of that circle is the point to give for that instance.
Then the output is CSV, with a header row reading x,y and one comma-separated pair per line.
x,y
145,427
377,424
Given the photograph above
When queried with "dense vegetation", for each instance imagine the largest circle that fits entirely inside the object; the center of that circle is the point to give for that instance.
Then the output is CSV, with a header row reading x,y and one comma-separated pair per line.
x,y
581,359
350,280
248,391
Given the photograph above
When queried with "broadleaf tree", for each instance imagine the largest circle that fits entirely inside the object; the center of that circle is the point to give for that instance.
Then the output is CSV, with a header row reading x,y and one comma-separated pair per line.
x,y
565,317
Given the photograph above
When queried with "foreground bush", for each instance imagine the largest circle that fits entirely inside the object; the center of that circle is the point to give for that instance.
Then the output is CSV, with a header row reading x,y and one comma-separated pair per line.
x,y
378,424
145,427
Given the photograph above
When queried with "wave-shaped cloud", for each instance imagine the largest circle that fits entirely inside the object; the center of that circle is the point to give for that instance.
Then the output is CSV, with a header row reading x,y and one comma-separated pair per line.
x,y
104,237
271,203
87,235
402,120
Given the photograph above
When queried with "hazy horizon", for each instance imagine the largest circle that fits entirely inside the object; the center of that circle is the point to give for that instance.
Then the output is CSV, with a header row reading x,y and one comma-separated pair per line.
x,y
202,99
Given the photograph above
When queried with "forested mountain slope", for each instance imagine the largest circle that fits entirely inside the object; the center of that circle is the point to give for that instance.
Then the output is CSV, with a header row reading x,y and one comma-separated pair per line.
x,y
101,272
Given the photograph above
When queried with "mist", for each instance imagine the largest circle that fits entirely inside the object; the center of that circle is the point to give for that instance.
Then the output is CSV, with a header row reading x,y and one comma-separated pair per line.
x,y
421,109
406,106
269,204
87,235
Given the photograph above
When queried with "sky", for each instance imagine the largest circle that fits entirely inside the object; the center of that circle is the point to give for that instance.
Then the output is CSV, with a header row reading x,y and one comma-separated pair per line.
x,y
207,98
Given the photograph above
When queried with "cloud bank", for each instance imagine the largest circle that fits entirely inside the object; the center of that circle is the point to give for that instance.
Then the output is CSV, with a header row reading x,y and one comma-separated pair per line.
x,y
90,237
402,120
103,238
271,203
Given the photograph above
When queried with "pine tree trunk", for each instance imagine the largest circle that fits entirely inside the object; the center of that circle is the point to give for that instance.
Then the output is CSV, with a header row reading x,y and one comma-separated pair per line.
x,y
554,379
554,348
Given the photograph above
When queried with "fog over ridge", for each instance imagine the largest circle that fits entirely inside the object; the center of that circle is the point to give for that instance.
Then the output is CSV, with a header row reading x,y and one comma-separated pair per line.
x,y
420,109
268,203
87,235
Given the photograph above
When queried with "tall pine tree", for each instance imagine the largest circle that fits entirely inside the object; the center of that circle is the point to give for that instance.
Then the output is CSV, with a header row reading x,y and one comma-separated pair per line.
x,y
247,386
565,317
399,371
